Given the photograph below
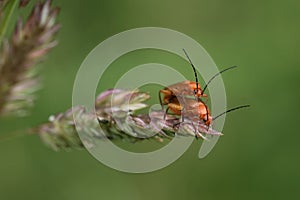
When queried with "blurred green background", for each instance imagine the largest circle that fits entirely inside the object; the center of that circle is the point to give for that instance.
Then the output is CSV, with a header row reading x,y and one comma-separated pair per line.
x,y
258,158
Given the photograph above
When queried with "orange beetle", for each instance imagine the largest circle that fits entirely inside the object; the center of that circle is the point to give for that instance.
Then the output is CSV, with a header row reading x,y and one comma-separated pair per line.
x,y
183,93
191,108
183,89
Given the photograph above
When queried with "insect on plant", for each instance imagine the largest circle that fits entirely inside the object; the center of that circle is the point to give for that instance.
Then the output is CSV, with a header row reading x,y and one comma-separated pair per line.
x,y
185,99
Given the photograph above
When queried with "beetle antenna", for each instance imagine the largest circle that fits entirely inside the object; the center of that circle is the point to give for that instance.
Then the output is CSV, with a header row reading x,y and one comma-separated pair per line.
x,y
195,72
212,78
197,83
232,109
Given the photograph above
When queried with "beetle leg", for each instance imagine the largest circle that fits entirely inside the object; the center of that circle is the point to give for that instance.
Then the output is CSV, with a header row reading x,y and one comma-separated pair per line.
x,y
207,114
182,115
160,101
166,93
165,115
196,130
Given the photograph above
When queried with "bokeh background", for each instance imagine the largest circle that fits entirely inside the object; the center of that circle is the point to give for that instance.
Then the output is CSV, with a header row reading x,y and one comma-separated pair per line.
x,y
257,158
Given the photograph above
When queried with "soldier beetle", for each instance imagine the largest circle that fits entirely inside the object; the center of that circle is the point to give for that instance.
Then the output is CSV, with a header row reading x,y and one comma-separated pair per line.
x,y
190,108
179,98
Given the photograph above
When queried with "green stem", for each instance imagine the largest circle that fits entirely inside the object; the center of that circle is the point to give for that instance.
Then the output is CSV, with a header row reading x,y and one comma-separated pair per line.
x,y
8,10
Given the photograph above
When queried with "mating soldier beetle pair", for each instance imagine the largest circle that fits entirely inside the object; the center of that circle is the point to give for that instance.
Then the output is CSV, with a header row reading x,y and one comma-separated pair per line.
x,y
185,99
